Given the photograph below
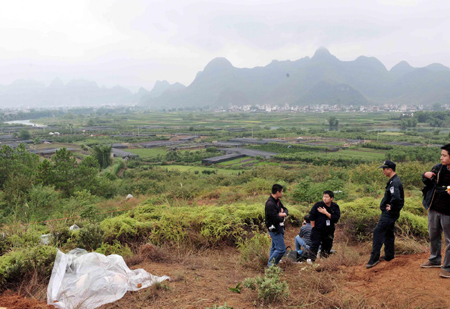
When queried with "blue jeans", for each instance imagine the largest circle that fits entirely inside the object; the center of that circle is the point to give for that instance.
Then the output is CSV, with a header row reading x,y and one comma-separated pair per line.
x,y
299,244
278,248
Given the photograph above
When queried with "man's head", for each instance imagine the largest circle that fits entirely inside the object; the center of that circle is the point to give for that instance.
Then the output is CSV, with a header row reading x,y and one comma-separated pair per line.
x,y
445,154
277,191
306,219
388,168
328,197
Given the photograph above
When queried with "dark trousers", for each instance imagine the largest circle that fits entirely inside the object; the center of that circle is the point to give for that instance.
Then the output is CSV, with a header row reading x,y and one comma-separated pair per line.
x,y
321,238
384,234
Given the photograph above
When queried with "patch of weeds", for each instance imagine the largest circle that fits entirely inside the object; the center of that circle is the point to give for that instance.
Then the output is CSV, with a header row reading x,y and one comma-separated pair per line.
x,y
269,287
254,251
236,289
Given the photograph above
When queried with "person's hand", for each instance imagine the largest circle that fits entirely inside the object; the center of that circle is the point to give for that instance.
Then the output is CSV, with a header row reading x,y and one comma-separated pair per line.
x,y
388,207
322,210
282,214
429,175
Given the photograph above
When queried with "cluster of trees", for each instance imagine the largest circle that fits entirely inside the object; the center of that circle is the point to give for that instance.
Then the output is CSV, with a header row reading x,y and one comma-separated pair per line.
x,y
435,119
422,154
23,176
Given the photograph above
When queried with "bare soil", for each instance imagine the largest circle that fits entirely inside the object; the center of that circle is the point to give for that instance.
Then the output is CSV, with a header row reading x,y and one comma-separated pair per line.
x,y
202,280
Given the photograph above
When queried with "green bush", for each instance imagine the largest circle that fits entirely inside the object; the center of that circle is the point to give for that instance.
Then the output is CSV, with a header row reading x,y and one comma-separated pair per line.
x,y
310,192
115,248
16,266
90,237
269,287
254,251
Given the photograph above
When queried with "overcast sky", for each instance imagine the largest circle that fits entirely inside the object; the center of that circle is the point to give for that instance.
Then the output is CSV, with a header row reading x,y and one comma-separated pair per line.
x,y
136,42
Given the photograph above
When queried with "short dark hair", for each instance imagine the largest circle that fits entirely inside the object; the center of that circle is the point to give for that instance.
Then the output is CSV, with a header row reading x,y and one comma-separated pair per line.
x,y
446,147
307,219
329,192
276,188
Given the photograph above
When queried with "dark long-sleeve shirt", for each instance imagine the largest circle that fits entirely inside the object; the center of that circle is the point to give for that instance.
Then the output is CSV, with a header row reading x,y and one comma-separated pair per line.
x,y
272,219
394,196
321,219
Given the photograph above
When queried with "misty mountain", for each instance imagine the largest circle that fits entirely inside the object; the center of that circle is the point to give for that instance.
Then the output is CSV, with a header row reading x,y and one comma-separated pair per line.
x,y
159,88
322,78
75,93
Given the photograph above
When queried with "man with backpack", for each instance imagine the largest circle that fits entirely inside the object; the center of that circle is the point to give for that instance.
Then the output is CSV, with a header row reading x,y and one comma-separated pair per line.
x,y
437,202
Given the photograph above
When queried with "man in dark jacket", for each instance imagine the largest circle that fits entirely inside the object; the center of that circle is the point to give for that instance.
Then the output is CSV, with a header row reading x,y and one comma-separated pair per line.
x,y
390,206
323,215
275,215
437,201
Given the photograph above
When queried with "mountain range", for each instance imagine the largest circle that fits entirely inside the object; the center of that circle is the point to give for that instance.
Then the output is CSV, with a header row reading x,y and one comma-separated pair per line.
x,y
322,79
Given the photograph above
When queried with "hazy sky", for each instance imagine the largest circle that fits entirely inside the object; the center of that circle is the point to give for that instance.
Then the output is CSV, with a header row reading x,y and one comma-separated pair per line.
x,y
136,42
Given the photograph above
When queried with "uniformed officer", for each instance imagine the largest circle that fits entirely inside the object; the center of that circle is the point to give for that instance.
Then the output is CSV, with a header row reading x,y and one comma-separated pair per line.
x,y
390,206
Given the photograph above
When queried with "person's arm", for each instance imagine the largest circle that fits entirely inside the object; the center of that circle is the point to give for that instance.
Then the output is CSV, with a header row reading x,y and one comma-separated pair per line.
x,y
428,177
313,215
302,231
336,214
396,202
273,213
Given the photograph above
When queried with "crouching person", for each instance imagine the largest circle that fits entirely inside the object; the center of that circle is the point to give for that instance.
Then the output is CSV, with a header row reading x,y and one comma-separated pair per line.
x,y
303,239
323,215
275,215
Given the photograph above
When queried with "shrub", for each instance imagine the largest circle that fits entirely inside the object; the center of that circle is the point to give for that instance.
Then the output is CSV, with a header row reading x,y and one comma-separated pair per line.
x,y
269,287
115,248
17,266
90,237
254,251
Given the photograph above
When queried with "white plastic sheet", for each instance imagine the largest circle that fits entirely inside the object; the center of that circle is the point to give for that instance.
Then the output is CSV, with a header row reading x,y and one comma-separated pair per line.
x,y
88,280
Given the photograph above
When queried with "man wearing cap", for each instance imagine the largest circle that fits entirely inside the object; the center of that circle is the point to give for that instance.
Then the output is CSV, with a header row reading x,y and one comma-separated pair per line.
x,y
390,206
437,201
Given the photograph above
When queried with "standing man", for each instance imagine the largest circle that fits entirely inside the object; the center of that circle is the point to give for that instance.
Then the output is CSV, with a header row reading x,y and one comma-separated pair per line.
x,y
275,216
390,206
438,204
323,215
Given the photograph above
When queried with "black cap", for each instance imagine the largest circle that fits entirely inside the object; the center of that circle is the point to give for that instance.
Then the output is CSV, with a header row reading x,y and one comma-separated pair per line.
x,y
388,164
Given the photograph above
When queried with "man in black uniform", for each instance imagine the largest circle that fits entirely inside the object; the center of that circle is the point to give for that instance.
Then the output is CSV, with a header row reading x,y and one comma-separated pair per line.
x,y
323,215
437,201
390,206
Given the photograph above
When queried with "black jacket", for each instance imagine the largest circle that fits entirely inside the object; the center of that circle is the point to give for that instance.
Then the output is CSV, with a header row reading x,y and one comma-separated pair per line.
x,y
394,196
272,219
430,186
321,219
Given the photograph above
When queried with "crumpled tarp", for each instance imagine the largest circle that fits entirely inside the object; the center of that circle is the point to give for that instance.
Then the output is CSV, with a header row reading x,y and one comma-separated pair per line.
x,y
85,280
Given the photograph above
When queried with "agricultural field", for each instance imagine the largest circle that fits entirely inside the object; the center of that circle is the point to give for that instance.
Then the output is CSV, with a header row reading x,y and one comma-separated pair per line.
x,y
204,225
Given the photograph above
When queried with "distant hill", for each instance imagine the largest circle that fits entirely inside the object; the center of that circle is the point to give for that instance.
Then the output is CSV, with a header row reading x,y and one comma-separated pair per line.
x,y
320,79
76,93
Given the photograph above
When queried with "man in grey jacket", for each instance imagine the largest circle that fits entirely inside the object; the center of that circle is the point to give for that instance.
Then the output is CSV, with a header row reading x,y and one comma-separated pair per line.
x,y
391,204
